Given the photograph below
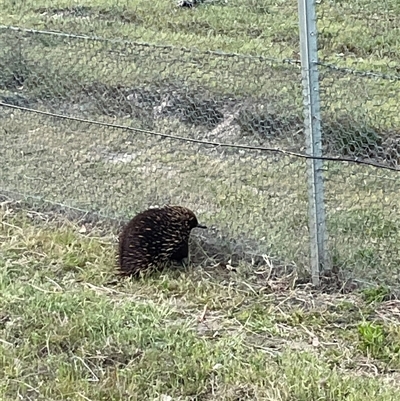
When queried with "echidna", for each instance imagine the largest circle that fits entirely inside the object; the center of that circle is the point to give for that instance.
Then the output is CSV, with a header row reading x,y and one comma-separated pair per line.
x,y
154,238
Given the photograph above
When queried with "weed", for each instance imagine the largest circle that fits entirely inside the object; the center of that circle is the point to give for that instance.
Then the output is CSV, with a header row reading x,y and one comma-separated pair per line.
x,y
372,338
378,294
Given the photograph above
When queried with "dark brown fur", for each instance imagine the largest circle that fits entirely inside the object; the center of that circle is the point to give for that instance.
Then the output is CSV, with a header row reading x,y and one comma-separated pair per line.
x,y
154,238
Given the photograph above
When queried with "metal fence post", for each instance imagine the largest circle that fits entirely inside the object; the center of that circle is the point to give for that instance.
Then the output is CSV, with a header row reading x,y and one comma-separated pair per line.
x,y
309,66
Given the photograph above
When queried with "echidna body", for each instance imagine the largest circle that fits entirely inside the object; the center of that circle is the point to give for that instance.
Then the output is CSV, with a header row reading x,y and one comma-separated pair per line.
x,y
154,238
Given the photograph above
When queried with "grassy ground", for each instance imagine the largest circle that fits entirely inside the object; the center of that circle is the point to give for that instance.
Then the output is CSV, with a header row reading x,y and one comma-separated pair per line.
x,y
263,27
68,332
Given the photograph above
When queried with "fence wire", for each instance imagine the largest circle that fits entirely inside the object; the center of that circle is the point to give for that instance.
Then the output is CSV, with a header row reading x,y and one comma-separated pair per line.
x,y
360,97
255,198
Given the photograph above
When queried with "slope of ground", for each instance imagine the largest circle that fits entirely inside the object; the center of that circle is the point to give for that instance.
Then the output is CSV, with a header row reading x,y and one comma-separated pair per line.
x,y
68,331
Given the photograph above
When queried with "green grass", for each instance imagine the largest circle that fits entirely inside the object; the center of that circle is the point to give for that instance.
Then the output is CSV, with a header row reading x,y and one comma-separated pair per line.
x,y
107,72
257,27
68,333
366,44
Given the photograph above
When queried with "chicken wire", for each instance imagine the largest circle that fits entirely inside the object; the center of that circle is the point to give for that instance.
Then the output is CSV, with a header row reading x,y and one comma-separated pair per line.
x,y
115,127
360,97
144,95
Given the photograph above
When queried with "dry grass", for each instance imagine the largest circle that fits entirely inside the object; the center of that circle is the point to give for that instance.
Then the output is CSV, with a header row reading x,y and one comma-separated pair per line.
x,y
68,332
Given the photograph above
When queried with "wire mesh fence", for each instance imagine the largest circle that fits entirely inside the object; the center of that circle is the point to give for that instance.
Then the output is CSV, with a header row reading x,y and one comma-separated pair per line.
x,y
252,198
360,97
115,126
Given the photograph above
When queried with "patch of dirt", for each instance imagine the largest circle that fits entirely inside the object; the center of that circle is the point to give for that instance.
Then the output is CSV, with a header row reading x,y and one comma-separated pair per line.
x,y
190,107
117,358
